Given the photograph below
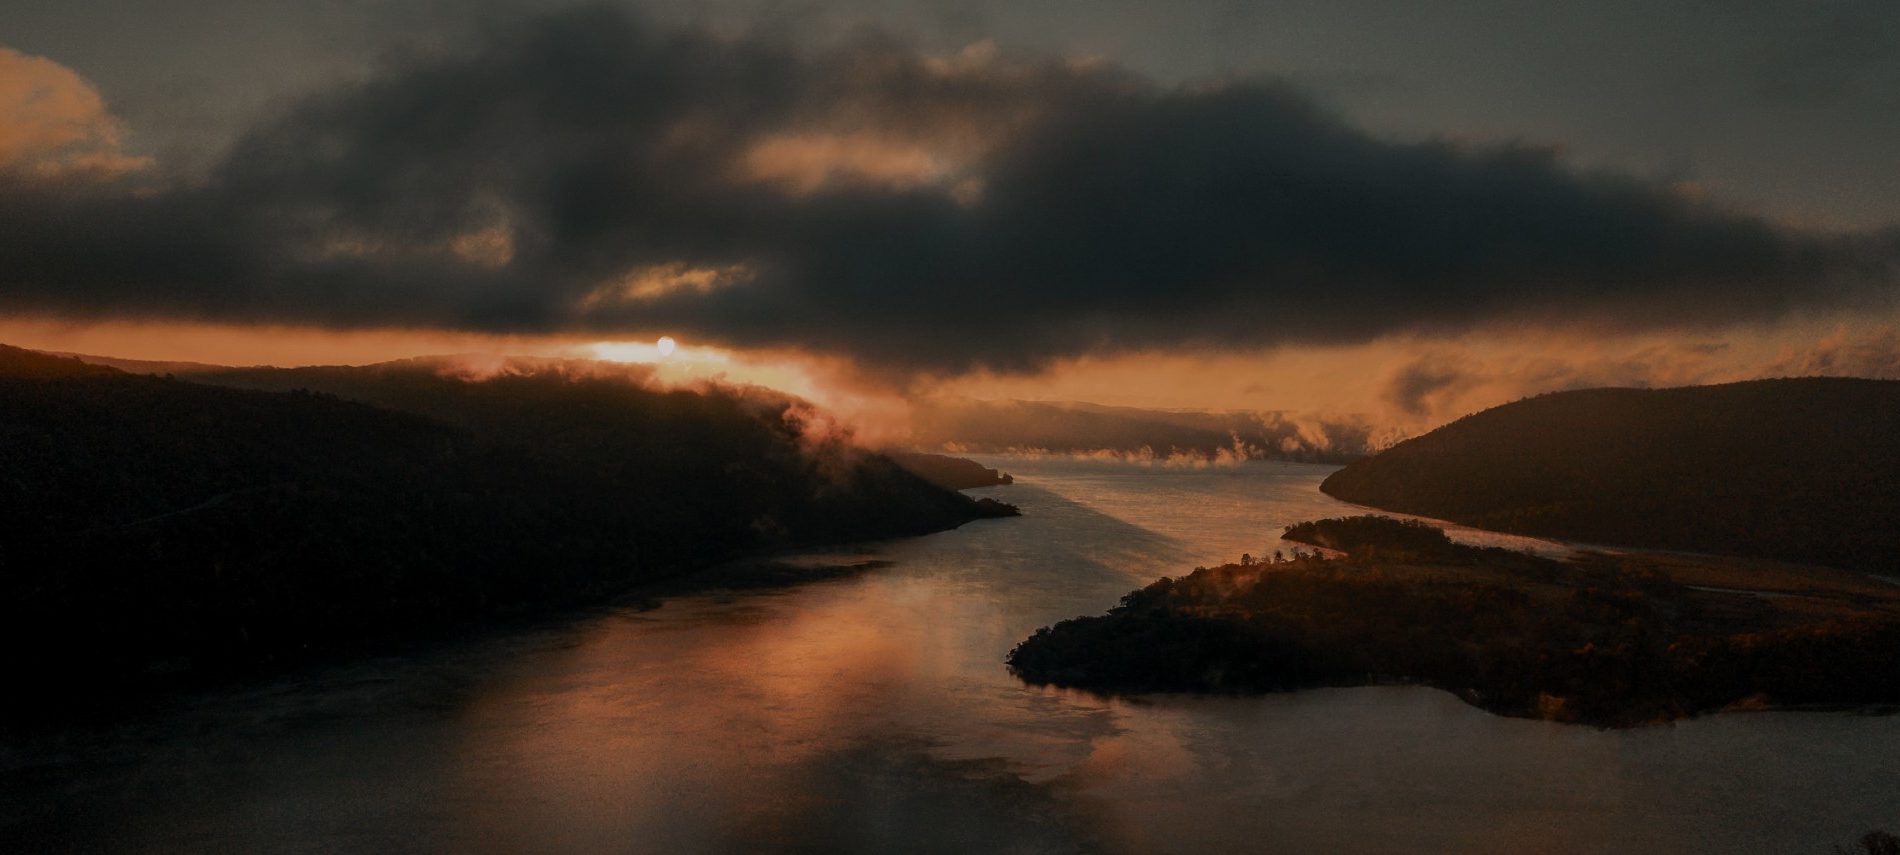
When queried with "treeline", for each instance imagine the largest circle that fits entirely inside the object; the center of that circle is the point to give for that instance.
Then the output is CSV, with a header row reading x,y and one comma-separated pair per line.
x,y
1375,536
154,529
1804,470
1604,641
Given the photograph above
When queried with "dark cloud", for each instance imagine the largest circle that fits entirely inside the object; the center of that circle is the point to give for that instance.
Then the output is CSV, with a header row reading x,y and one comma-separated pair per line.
x,y
923,214
1412,387
1787,106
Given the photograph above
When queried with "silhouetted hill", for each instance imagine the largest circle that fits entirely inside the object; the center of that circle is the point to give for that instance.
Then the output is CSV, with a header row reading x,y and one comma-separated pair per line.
x,y
1800,470
152,525
19,362
145,366
950,473
1004,426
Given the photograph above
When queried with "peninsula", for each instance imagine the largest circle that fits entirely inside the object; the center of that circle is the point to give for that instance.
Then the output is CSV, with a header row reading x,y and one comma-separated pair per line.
x,y
1599,639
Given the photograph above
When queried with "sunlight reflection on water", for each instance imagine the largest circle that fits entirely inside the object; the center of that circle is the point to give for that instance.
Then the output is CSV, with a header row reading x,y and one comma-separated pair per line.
x,y
874,714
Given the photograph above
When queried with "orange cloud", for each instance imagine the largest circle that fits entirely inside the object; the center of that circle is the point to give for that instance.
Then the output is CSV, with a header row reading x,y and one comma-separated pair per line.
x,y
235,344
657,281
54,124
805,163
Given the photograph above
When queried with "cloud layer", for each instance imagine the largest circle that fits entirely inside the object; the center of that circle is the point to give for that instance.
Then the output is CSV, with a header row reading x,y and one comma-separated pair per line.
x,y
922,214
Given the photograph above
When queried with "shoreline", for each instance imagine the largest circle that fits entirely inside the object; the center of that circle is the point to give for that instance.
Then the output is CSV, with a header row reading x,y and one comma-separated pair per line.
x,y
1604,640
165,682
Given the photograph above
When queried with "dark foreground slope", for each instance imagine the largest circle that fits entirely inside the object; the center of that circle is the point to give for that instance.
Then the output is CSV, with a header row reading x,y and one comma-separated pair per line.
x,y
153,530
1799,470
1603,640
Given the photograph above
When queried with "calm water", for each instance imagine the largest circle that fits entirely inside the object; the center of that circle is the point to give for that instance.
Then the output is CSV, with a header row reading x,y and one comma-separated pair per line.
x,y
874,714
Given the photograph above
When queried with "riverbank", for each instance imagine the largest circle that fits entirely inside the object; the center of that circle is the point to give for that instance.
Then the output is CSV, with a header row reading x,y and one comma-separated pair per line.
x,y
160,534
1604,640
683,727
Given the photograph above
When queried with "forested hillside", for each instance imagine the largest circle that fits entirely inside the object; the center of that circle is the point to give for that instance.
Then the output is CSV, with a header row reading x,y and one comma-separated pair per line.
x,y
1801,470
1606,640
153,527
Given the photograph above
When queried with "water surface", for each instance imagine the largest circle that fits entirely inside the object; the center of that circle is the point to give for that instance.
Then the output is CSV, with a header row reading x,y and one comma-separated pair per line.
x,y
874,714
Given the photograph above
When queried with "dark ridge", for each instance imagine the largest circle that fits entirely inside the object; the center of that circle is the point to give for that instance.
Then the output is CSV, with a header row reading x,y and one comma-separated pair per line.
x,y
145,366
950,473
156,532
23,363
1804,470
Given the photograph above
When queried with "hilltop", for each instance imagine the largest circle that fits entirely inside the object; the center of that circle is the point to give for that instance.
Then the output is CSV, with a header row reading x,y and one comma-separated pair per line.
x,y
1804,470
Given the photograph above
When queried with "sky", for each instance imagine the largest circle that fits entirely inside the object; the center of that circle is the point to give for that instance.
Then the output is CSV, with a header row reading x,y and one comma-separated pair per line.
x,y
1406,210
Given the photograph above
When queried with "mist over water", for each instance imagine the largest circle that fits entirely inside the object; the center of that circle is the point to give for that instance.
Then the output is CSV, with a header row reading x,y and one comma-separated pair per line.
x,y
874,714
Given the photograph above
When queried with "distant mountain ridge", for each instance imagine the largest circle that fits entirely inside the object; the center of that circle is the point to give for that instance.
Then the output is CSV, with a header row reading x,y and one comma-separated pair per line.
x,y
141,366
1804,469
19,362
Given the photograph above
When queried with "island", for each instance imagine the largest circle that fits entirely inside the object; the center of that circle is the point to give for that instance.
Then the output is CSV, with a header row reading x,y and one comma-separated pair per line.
x,y
1805,470
1611,640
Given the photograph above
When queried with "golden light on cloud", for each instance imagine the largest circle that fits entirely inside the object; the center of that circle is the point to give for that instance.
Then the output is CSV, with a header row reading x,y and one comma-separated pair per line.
x,y
806,163
262,344
54,124
490,247
656,281
877,415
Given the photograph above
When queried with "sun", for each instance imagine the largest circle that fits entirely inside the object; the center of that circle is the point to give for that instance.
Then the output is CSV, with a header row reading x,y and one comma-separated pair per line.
x,y
666,345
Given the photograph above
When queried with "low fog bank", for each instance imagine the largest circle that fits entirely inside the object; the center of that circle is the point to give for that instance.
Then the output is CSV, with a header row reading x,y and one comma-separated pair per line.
x,y
1168,437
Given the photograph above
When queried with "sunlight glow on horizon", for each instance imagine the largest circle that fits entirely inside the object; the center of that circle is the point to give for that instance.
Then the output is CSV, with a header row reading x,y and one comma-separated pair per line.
x,y
665,349
1405,384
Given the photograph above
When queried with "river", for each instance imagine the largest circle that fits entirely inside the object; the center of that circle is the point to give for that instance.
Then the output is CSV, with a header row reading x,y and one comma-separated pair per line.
x,y
874,714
